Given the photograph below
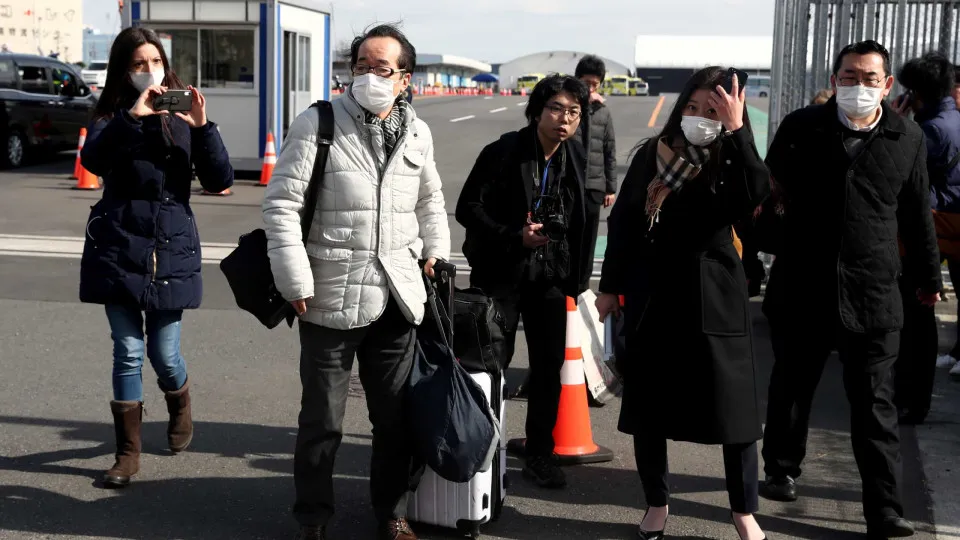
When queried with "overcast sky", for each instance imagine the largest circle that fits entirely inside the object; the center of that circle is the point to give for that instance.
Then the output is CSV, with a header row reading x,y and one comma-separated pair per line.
x,y
500,30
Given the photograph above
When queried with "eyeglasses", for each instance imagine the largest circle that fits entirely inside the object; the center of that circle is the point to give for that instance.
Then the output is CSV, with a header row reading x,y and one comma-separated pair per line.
x,y
559,110
853,81
380,71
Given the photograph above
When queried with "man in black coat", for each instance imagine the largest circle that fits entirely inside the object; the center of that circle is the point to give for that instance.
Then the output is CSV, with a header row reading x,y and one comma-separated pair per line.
x,y
523,211
598,138
852,177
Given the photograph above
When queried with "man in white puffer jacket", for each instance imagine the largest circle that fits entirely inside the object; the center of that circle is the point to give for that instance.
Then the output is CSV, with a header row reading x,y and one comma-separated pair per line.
x,y
357,284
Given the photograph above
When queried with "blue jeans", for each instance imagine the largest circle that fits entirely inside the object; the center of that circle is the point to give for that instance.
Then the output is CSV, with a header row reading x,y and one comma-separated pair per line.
x,y
162,347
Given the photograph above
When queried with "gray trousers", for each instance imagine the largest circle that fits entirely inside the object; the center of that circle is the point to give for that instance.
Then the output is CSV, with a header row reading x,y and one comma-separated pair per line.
x,y
385,351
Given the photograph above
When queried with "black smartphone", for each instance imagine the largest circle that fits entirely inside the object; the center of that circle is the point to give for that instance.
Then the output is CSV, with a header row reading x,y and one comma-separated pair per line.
x,y
174,101
728,80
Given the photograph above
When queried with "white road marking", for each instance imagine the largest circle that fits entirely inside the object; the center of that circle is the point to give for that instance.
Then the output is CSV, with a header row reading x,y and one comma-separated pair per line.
x,y
71,247
462,118
488,98
501,109
521,104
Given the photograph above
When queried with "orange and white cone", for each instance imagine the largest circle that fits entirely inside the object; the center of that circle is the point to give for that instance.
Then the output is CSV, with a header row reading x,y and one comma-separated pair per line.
x,y
86,180
572,434
76,165
269,160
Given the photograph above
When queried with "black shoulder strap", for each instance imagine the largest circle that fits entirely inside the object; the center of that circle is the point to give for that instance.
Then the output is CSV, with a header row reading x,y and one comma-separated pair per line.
x,y
324,140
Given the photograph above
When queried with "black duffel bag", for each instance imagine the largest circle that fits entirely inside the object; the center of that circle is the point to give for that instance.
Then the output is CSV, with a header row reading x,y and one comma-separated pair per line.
x,y
480,328
247,268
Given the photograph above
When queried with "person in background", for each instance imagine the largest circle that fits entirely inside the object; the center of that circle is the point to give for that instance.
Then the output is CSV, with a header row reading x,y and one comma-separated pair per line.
x,y
356,284
522,207
851,173
930,81
600,141
141,254
822,97
956,86
670,252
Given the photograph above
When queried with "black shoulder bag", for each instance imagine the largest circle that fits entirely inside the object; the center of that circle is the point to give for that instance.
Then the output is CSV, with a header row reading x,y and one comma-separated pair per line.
x,y
247,268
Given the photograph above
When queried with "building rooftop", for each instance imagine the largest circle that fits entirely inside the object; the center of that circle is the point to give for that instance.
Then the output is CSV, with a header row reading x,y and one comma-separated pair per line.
x,y
694,52
451,60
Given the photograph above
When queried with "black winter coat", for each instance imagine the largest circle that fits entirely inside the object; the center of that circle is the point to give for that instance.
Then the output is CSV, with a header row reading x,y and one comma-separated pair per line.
x,y
689,371
142,244
839,262
493,207
599,139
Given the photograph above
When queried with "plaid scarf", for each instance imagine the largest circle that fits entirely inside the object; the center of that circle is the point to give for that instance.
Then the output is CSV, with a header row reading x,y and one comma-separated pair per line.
x,y
674,170
392,125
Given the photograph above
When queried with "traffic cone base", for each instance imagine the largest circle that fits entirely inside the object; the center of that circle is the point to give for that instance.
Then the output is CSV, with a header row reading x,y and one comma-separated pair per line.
x,y
572,434
87,180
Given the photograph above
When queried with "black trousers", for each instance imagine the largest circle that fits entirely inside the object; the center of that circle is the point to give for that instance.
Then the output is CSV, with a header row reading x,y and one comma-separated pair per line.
x,y
954,269
385,352
593,203
916,365
739,465
543,309
868,380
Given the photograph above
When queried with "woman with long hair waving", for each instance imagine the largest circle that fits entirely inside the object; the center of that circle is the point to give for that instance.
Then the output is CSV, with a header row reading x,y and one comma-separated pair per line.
x,y
141,256
688,372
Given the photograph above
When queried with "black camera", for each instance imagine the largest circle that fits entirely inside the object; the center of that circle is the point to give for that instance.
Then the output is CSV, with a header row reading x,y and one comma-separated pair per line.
x,y
548,213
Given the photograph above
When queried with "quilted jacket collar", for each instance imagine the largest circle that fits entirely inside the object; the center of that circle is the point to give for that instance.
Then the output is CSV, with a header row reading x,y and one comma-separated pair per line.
x,y
890,121
358,113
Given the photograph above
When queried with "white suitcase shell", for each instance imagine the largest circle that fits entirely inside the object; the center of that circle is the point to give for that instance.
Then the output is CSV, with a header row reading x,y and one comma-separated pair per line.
x,y
467,506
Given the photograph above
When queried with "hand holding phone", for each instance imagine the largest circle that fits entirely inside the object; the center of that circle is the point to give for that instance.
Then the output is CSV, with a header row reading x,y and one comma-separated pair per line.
x,y
728,99
144,105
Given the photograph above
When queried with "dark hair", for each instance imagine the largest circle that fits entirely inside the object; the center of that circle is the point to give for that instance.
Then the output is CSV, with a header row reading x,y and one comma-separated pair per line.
x,y
408,54
956,78
707,78
551,86
117,89
591,65
864,47
931,77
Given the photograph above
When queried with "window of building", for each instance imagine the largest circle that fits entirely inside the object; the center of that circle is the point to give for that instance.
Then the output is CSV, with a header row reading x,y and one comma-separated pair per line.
x,y
8,75
227,57
216,58
33,79
303,58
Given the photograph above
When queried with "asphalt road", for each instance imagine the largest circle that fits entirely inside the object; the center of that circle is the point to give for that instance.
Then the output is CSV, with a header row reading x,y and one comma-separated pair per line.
x,y
235,481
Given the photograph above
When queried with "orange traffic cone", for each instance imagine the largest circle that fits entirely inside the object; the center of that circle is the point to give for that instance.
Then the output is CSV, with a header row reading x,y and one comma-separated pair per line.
x,y
572,434
87,180
77,166
269,160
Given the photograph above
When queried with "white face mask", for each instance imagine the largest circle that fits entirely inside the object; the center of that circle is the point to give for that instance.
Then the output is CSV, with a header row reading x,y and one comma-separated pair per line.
x,y
374,93
141,81
858,101
700,131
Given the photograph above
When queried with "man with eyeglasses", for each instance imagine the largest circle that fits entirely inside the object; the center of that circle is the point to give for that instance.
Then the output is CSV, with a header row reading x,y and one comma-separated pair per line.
x,y
852,177
523,210
357,284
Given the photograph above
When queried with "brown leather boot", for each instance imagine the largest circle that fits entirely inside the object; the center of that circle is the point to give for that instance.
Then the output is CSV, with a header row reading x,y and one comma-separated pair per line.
x,y
395,529
127,417
180,428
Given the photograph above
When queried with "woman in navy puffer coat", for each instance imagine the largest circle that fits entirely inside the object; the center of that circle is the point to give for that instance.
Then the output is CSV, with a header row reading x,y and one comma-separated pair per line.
x,y
142,248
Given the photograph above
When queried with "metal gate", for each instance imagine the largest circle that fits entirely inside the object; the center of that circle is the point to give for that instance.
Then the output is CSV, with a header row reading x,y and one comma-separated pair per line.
x,y
808,35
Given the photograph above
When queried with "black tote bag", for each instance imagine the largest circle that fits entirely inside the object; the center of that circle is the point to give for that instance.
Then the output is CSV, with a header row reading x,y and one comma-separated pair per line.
x,y
247,268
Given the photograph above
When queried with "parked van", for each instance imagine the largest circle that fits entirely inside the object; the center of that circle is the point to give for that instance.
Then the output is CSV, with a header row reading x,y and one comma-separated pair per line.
x,y
43,105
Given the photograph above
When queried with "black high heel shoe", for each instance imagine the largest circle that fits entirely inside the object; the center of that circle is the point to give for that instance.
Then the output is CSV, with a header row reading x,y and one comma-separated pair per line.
x,y
734,521
651,535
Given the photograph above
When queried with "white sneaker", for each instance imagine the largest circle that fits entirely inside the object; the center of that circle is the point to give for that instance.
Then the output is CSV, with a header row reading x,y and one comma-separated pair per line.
x,y
955,372
946,361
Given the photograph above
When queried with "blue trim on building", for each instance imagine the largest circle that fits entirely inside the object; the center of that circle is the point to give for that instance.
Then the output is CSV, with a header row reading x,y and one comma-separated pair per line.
x,y
326,57
264,69
135,12
278,73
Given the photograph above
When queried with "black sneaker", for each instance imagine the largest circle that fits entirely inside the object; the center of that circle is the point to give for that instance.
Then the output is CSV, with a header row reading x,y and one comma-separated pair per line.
x,y
544,471
312,533
779,488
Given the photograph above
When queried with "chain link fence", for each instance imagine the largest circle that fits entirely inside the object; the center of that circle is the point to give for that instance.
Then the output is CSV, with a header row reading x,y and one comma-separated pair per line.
x,y
808,35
